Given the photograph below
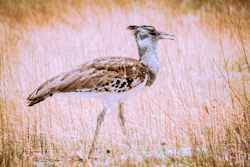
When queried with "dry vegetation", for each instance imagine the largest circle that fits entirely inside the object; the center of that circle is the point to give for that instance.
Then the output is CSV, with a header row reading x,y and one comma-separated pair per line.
x,y
197,113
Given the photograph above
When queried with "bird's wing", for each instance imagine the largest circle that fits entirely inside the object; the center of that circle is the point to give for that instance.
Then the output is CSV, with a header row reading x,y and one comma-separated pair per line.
x,y
111,74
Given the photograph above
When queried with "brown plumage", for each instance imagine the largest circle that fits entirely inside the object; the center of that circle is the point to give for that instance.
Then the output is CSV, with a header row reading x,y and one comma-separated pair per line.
x,y
98,75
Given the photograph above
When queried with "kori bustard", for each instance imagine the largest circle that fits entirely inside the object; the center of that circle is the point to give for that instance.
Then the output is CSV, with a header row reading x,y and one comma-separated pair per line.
x,y
110,79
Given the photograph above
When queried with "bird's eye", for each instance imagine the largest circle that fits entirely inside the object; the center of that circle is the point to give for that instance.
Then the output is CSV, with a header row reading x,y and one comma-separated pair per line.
x,y
153,32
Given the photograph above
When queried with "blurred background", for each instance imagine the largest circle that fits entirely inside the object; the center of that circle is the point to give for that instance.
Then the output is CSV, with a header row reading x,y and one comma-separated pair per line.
x,y
197,113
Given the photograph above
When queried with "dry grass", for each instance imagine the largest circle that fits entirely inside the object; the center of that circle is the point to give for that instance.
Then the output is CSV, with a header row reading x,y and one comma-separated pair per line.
x,y
200,99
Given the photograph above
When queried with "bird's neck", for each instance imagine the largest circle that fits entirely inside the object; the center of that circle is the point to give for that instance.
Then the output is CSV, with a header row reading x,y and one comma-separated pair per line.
x,y
148,55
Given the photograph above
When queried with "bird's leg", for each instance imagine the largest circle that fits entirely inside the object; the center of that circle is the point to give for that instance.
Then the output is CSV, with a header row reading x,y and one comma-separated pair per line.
x,y
122,123
98,126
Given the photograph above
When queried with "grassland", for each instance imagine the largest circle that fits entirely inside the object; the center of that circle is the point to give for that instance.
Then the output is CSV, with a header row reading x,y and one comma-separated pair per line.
x,y
197,113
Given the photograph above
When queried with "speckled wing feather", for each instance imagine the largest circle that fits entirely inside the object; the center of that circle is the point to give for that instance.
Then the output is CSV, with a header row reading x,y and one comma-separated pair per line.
x,y
111,74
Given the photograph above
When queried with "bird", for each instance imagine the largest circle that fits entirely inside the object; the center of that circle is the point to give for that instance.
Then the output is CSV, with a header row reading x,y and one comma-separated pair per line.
x,y
112,80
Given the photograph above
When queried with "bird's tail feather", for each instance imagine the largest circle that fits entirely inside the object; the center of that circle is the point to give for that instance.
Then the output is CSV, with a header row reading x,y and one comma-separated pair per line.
x,y
34,101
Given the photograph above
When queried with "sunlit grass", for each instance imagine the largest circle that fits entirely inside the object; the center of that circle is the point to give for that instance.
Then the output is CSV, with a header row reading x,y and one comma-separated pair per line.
x,y
196,113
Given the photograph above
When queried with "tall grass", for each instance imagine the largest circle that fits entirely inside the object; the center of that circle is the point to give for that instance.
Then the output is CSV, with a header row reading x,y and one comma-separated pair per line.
x,y
195,114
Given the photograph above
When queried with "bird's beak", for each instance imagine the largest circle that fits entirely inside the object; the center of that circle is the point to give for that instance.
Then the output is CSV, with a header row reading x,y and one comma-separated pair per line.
x,y
164,34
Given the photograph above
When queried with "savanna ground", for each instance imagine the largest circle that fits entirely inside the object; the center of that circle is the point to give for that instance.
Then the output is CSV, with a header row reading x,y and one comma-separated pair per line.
x,y
197,113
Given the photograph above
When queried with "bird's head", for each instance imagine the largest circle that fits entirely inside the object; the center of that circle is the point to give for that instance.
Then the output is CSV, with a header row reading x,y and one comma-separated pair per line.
x,y
148,33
